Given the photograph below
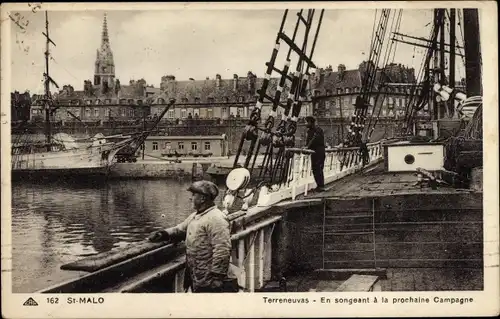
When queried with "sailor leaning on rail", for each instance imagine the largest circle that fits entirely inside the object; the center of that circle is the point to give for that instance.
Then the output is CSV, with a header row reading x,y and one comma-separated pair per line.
x,y
315,140
208,241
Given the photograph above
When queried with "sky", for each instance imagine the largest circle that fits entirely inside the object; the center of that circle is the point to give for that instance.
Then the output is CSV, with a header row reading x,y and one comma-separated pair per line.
x,y
189,43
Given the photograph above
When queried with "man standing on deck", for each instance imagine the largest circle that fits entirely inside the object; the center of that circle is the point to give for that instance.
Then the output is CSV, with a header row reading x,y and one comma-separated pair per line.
x,y
315,141
208,241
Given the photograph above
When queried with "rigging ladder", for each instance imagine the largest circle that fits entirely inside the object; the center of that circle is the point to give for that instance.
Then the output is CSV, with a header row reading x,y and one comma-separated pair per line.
x,y
276,162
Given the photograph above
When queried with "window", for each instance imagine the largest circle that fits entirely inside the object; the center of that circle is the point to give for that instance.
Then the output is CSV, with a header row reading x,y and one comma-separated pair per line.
x,y
88,102
171,114
155,146
77,113
181,145
207,146
224,112
87,112
107,112
225,99
240,111
339,91
347,90
96,112
391,102
167,146
240,99
123,101
196,100
183,113
210,113
196,112
107,101
97,102
123,112
194,146
161,101
210,100
184,100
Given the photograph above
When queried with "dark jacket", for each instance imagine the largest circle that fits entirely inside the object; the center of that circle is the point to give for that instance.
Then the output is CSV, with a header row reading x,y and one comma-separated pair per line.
x,y
315,140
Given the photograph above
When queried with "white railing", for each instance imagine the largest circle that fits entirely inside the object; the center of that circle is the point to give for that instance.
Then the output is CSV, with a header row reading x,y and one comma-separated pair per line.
x,y
251,258
300,179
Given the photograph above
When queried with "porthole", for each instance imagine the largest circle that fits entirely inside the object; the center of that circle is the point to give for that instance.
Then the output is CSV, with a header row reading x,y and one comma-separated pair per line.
x,y
409,159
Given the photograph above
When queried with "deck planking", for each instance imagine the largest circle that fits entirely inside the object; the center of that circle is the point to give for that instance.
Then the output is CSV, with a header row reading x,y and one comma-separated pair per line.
x,y
375,181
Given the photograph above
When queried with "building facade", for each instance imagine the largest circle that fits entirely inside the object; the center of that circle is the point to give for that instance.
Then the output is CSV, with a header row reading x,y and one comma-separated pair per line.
x,y
186,146
105,99
334,93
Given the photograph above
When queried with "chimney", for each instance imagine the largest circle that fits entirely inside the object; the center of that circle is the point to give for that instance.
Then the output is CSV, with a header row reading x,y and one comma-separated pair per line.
x,y
250,82
341,71
235,82
217,80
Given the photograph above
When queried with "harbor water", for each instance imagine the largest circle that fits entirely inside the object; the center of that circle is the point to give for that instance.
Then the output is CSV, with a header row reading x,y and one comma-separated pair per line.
x,y
57,223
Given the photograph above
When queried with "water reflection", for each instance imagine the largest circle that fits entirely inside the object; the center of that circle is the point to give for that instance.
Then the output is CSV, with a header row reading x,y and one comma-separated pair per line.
x,y
57,223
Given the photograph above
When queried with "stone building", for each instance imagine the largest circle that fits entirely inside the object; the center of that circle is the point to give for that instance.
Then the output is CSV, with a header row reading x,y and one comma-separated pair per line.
x,y
334,93
216,98
104,98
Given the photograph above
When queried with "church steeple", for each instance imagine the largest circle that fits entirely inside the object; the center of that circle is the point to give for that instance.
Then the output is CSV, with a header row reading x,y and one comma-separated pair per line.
x,y
105,36
104,75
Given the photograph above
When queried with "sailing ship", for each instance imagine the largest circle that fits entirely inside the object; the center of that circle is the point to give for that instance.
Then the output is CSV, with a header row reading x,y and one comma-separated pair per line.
x,y
60,154
363,228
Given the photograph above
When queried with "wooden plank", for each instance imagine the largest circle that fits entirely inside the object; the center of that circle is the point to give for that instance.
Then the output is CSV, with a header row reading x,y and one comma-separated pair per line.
x,y
429,233
100,261
429,250
344,274
326,286
358,283
430,201
429,215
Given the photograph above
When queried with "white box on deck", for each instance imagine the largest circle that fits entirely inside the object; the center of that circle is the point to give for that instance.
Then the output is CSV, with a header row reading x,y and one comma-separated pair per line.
x,y
407,157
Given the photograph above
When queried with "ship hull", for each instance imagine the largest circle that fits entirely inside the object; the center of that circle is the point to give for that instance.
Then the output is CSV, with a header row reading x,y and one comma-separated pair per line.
x,y
93,161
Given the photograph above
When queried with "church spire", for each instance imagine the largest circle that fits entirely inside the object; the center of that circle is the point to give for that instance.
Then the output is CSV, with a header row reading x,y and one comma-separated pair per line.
x,y
104,75
105,37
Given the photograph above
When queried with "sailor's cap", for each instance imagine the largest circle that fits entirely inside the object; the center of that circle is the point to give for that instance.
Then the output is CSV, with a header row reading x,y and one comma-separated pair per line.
x,y
206,188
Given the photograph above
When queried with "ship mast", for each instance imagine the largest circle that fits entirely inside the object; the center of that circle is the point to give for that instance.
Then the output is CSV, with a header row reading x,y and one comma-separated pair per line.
x,y
48,98
472,53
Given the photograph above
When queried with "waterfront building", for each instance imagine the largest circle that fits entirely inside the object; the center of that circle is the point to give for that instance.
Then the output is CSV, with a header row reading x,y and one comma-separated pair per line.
x,y
330,95
334,93
182,146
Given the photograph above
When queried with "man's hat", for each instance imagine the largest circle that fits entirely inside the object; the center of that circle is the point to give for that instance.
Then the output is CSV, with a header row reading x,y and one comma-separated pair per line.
x,y
206,188
310,119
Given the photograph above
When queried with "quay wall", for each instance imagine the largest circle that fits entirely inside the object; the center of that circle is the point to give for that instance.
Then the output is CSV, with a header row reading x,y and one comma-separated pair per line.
x,y
232,129
159,170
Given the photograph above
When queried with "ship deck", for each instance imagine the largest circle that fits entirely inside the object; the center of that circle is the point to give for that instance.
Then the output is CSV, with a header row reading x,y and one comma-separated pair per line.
x,y
375,181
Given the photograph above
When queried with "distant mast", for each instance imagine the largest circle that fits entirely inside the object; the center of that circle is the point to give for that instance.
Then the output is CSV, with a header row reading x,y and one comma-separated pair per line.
x,y
47,97
47,84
